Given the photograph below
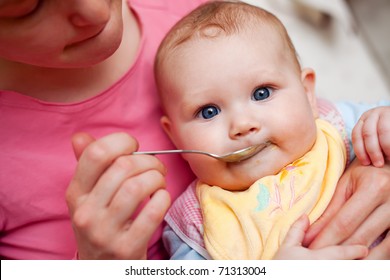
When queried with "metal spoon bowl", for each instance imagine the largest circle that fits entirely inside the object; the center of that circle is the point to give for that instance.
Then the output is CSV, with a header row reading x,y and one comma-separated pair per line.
x,y
235,156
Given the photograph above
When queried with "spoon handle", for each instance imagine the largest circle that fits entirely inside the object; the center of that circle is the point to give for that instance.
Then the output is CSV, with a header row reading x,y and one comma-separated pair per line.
x,y
173,152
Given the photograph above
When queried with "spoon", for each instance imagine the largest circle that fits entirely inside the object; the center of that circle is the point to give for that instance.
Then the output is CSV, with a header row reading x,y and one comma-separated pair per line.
x,y
235,156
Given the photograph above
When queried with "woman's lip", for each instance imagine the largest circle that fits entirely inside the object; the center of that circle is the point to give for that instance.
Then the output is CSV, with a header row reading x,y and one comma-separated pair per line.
x,y
77,42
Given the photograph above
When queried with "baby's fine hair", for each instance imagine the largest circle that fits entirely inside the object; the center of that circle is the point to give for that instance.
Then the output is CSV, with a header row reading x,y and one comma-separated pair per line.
x,y
221,18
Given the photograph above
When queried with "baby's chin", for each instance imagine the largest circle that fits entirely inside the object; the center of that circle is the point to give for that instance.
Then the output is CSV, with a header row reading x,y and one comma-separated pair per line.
x,y
240,179
238,184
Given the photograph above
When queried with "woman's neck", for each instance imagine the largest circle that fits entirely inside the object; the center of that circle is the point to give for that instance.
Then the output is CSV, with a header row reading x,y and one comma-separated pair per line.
x,y
74,85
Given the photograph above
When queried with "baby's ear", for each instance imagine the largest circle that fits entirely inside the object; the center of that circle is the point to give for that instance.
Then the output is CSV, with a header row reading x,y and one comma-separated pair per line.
x,y
166,125
308,78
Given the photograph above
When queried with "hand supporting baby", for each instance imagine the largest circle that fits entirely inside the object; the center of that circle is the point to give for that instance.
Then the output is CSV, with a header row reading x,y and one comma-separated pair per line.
x,y
362,189
361,202
292,249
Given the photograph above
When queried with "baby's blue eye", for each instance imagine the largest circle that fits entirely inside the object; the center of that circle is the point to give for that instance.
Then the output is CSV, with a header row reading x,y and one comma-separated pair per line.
x,y
262,93
209,112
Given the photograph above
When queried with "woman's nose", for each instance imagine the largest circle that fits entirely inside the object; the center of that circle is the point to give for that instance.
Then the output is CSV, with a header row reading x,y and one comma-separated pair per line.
x,y
244,126
90,12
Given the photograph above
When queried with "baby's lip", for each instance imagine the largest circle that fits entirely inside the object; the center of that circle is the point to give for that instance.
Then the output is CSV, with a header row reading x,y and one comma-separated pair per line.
x,y
260,147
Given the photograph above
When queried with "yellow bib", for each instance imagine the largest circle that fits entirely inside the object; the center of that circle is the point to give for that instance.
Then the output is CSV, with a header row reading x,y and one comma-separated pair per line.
x,y
252,224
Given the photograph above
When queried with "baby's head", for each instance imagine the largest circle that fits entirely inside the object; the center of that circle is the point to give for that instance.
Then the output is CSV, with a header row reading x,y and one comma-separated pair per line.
x,y
229,78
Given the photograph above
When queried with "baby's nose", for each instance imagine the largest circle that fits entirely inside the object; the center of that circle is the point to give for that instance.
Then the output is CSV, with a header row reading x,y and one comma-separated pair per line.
x,y
242,127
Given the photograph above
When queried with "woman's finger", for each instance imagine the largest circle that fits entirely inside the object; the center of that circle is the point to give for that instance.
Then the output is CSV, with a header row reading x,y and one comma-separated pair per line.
x,y
371,228
98,156
133,193
381,251
342,252
338,200
121,169
346,221
151,216
80,142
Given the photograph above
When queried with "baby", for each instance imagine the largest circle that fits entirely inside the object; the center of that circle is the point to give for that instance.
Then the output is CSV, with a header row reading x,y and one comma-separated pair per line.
x,y
229,78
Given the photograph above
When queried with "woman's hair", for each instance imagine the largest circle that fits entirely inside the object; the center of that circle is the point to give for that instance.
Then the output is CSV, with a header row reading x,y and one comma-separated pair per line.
x,y
221,18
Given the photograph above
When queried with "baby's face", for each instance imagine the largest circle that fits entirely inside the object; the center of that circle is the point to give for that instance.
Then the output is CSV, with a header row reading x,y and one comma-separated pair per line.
x,y
233,92
59,33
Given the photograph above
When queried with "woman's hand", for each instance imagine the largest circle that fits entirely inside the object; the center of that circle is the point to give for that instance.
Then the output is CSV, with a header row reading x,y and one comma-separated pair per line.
x,y
292,248
358,213
108,187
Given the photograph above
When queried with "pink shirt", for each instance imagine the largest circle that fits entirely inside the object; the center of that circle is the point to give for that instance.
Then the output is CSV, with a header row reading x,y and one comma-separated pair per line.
x,y
36,156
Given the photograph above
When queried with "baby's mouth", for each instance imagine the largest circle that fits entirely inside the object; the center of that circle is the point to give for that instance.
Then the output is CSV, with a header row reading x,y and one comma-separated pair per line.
x,y
255,149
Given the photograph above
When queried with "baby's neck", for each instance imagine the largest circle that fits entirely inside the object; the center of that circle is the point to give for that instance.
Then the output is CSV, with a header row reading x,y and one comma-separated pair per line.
x,y
73,85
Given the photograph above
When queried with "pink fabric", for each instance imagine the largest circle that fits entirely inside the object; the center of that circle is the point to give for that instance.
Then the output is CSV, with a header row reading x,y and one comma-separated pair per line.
x,y
36,157
185,219
328,111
